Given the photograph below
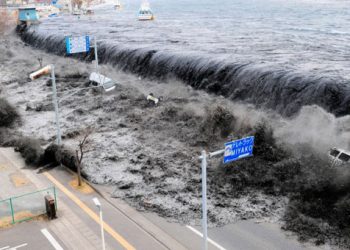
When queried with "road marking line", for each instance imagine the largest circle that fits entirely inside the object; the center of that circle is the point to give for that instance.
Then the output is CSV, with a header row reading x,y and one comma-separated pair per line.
x,y
51,239
14,248
3,248
209,240
91,213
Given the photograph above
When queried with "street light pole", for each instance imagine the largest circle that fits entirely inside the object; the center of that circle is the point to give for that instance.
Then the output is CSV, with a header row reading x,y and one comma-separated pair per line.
x,y
102,231
55,103
98,205
204,200
51,68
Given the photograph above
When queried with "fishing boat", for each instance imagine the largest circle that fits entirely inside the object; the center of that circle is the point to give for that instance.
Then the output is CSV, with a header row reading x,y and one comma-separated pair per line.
x,y
145,13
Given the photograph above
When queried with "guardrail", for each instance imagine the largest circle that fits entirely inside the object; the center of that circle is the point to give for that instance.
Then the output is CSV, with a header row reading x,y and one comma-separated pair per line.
x,y
25,207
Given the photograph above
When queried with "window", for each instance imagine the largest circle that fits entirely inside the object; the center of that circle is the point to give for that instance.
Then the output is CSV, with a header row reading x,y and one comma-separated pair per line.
x,y
334,152
344,157
109,85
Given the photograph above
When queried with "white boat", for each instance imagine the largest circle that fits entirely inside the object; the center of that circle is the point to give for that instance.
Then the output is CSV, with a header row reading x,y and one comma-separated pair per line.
x,y
145,13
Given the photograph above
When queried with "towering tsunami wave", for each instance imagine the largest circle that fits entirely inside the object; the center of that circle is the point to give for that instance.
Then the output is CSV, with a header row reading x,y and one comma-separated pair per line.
x,y
283,91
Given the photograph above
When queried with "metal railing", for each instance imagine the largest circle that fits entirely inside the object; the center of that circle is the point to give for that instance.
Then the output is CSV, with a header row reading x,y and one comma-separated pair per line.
x,y
25,207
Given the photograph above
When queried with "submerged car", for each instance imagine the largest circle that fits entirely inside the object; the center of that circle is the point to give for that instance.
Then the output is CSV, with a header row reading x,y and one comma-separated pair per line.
x,y
339,156
106,83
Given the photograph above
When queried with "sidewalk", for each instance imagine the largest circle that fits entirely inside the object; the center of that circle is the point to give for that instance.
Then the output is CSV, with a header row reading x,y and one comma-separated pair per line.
x,y
13,181
77,225
16,180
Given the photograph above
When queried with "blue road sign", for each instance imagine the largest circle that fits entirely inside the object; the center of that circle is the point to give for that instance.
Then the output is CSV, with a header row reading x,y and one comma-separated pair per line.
x,y
77,44
238,149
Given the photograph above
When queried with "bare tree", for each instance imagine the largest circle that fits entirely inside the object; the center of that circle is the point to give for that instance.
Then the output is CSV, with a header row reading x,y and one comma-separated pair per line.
x,y
81,150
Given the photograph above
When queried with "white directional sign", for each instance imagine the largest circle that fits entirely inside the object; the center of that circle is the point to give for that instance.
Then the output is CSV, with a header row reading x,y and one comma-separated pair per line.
x,y
238,149
77,44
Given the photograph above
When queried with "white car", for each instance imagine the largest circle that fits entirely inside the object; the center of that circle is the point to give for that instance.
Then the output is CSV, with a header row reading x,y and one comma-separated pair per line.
x,y
106,83
339,156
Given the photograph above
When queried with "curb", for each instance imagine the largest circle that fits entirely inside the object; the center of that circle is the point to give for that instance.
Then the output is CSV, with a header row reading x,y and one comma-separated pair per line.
x,y
137,218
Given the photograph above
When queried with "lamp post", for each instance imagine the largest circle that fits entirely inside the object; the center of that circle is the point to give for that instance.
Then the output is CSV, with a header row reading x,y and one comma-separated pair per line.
x,y
106,83
98,205
44,71
55,103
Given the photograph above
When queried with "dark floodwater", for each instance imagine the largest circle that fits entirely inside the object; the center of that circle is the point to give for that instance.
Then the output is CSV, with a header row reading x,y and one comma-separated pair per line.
x,y
277,54
303,35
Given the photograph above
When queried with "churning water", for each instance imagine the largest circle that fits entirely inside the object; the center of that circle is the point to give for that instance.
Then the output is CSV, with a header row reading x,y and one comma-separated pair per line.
x,y
280,54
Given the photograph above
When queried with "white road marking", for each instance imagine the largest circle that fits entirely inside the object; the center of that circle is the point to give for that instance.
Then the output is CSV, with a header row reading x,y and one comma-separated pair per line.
x,y
14,248
51,239
209,240
3,248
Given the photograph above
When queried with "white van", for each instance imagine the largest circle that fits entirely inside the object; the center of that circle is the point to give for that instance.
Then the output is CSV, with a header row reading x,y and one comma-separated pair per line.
x,y
103,81
339,156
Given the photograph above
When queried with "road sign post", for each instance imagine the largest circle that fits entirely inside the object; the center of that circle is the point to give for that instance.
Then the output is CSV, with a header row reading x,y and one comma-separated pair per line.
x,y
238,149
96,55
233,151
81,44
204,200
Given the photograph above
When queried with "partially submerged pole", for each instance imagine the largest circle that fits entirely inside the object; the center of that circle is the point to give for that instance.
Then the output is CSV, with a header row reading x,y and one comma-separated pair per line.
x,y
55,103
204,200
45,71
96,54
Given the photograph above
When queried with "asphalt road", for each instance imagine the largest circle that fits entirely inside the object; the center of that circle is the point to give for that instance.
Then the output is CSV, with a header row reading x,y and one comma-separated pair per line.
x,y
243,235
28,235
77,225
